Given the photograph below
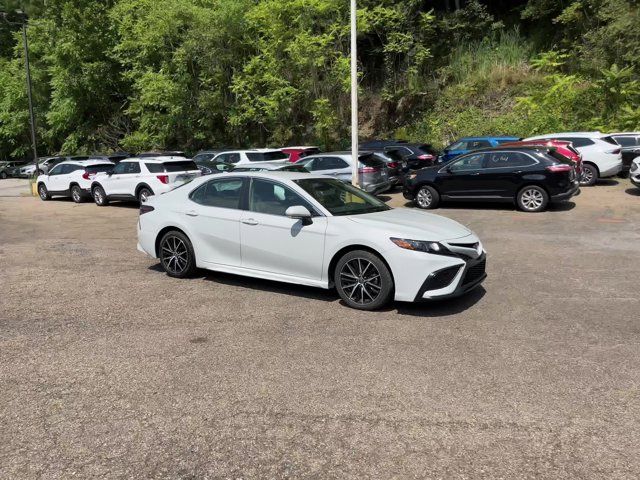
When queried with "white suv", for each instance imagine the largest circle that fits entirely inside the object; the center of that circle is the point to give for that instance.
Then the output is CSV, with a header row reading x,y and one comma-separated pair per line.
x,y
139,178
634,172
71,179
601,154
242,157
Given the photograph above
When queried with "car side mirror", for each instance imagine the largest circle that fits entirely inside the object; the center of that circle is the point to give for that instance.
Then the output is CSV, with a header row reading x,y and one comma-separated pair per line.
x,y
298,212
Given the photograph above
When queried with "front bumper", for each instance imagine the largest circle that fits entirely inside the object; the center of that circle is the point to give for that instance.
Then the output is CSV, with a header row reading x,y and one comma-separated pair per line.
x,y
635,179
467,277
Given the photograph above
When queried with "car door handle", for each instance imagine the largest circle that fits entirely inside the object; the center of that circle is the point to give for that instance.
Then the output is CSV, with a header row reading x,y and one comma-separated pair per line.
x,y
191,213
249,221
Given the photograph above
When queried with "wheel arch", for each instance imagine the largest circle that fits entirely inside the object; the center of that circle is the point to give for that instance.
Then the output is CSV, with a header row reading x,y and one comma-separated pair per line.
x,y
163,232
142,185
94,185
592,164
350,248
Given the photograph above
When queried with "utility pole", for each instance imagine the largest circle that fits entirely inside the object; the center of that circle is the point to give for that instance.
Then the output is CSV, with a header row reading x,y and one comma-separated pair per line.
x,y
354,95
32,118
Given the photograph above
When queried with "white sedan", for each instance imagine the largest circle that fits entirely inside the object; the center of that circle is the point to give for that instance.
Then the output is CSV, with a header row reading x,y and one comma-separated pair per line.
x,y
310,230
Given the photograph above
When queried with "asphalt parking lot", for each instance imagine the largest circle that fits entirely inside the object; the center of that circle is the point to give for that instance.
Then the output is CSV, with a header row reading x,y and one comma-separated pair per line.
x,y
109,368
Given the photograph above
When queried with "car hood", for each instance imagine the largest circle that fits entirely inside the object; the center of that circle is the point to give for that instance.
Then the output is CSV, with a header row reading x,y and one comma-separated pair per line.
x,y
413,224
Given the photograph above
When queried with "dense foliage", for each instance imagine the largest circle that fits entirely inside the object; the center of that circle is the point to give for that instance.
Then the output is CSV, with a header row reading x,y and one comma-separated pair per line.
x,y
188,74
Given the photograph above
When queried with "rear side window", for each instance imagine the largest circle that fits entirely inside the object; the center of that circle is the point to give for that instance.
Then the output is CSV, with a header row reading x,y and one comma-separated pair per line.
x,y
626,141
154,167
201,157
224,193
610,140
508,160
578,141
266,156
98,168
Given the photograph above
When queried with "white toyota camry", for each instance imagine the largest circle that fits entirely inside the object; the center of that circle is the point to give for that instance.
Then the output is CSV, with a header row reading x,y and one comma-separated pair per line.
x,y
310,230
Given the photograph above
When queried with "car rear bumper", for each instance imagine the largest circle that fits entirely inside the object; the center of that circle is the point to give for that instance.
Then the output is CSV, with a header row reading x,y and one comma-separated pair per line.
x,y
376,188
612,170
574,191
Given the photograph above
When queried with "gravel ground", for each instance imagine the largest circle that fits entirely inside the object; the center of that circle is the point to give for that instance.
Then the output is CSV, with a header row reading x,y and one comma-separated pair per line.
x,y
109,368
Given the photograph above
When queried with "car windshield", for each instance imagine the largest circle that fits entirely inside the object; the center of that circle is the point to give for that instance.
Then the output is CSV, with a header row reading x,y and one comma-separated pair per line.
x,y
341,198
266,156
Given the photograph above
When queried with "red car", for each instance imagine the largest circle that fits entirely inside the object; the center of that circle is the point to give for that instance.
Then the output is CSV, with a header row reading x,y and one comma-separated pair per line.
x,y
562,147
296,153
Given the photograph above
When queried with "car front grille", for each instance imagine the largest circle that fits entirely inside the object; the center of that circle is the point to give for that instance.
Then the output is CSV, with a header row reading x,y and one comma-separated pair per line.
x,y
475,272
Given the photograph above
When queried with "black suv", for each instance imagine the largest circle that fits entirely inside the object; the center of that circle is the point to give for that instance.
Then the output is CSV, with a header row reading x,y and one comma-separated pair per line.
x,y
416,155
630,146
528,176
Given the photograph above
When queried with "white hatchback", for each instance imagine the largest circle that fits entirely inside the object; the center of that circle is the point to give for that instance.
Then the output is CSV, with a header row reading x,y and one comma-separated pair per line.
x,y
139,178
310,230
71,179
601,154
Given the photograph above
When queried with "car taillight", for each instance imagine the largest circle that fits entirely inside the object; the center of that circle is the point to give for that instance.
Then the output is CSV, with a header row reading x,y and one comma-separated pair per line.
x,y
559,168
614,152
163,178
368,170
85,175
144,208
425,157
392,165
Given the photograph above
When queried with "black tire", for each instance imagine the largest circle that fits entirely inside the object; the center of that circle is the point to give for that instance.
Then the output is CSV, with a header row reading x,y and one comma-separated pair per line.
x,y
144,193
359,285
532,198
99,196
427,197
43,192
589,175
76,194
176,255
3,175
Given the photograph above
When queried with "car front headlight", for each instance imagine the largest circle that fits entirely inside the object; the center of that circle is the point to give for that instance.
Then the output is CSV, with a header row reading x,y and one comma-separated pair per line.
x,y
634,166
421,246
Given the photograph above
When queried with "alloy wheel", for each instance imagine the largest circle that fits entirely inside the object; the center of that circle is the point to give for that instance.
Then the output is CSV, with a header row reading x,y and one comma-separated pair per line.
x,y
587,176
424,198
98,197
360,280
144,195
175,255
43,192
75,194
532,199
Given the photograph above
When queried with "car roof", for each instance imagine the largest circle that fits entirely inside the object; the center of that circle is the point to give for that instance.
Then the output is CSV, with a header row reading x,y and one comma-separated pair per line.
x,y
158,159
301,147
269,166
279,175
624,134
86,163
570,134
489,137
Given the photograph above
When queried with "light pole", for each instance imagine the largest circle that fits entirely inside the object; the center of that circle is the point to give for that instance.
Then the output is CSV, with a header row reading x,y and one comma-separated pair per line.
x,y
32,119
354,95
